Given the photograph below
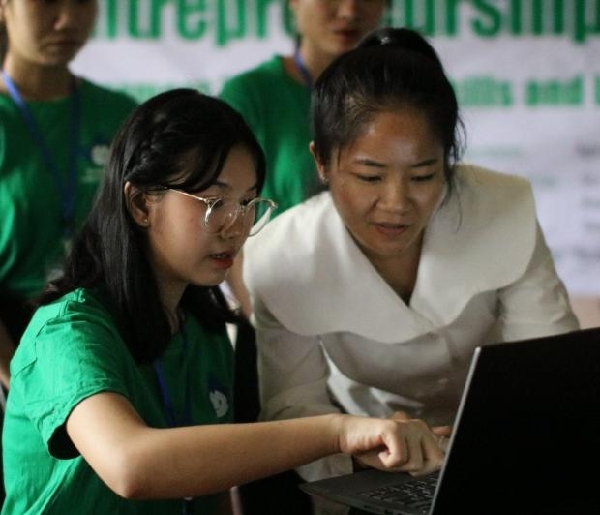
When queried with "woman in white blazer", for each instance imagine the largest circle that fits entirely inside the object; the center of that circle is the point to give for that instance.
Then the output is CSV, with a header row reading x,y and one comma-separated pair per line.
x,y
370,297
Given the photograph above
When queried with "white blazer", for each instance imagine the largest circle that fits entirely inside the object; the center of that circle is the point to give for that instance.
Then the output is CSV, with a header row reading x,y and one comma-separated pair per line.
x,y
331,332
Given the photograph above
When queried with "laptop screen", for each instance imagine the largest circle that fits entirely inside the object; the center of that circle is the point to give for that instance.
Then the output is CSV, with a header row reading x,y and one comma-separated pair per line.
x,y
528,429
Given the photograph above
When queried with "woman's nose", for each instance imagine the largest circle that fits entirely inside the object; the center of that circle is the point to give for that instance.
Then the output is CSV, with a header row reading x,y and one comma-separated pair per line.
x,y
395,196
67,14
348,9
237,227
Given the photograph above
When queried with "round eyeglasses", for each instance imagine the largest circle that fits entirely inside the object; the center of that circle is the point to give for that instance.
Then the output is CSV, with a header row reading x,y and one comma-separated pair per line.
x,y
221,213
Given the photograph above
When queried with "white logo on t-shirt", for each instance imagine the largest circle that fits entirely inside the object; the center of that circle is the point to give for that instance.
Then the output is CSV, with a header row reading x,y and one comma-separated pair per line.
x,y
219,402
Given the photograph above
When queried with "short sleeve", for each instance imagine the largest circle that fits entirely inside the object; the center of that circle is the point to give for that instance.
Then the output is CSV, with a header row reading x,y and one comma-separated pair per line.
x,y
71,357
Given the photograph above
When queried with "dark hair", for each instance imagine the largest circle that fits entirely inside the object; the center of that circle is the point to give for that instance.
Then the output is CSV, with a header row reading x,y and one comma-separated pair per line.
x,y
153,148
390,68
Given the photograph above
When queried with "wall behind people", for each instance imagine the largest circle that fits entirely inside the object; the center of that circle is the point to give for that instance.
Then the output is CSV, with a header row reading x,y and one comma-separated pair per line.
x,y
526,73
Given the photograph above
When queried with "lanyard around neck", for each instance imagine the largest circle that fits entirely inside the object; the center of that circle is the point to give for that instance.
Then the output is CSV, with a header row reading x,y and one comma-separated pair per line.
x,y
66,190
186,420
308,82
174,421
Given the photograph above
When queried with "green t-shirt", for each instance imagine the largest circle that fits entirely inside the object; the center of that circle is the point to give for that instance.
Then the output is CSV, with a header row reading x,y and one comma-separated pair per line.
x,y
72,350
31,229
277,109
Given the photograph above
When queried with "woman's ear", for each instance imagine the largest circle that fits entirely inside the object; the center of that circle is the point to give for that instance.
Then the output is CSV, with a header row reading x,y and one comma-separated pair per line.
x,y
321,168
136,204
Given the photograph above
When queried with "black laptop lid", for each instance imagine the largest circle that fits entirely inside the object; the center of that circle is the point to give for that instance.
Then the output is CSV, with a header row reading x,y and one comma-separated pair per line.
x,y
529,433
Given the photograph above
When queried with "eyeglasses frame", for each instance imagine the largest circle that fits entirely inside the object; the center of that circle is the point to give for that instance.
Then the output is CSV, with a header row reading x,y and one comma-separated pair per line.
x,y
240,209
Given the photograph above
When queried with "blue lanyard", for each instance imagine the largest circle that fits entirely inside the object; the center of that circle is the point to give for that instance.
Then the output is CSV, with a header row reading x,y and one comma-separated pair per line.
x,y
186,420
66,191
303,69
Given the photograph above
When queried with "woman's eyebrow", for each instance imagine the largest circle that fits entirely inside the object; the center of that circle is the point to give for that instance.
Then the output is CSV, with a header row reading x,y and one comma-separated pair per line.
x,y
368,162
226,186
427,162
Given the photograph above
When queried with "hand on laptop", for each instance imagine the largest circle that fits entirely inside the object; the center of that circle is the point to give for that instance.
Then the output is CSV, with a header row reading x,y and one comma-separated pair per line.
x,y
442,433
396,443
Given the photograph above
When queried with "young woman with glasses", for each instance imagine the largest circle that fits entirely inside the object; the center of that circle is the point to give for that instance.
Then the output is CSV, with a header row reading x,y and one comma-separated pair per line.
x,y
121,396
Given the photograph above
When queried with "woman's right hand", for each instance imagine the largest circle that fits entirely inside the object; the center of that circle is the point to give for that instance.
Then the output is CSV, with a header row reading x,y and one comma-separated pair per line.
x,y
407,445
442,433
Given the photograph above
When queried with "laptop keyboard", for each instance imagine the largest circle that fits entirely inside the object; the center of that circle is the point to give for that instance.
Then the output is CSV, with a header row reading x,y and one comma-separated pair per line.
x,y
417,495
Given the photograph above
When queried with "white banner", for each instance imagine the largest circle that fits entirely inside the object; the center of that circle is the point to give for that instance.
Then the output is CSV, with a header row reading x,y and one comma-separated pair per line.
x,y
527,74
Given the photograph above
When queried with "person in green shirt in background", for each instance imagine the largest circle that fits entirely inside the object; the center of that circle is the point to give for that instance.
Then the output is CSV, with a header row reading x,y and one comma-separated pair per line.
x,y
121,389
55,130
274,97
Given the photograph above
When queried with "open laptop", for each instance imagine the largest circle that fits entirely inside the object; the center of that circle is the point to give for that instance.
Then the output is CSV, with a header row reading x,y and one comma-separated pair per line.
x,y
526,439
